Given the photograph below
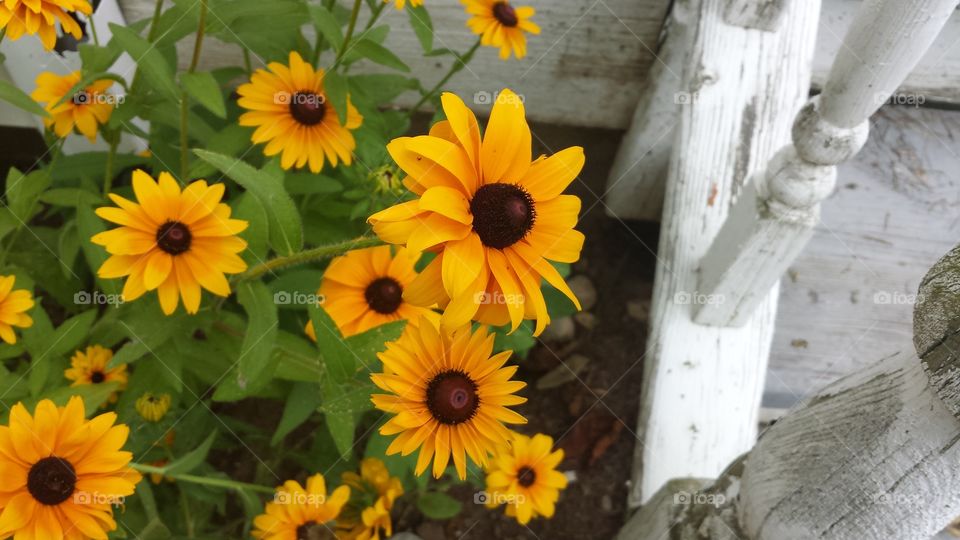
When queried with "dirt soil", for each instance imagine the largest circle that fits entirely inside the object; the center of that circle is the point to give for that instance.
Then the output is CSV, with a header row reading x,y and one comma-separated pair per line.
x,y
592,417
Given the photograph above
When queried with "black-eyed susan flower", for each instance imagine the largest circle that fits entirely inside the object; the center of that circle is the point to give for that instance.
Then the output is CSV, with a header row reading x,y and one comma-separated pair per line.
x,y
500,24
14,305
364,289
299,512
288,106
85,110
172,241
152,407
523,476
40,17
496,219
449,397
90,367
62,474
373,491
400,4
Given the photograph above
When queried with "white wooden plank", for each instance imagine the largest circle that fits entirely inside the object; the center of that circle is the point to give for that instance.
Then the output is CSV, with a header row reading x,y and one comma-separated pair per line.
x,y
701,394
583,69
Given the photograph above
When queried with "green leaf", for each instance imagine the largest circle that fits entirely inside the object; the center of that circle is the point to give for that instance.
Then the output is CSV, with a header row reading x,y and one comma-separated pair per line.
x,y
93,395
436,505
70,197
72,332
149,61
338,359
23,191
39,341
18,98
257,232
337,90
98,59
327,25
261,333
378,53
342,427
192,459
302,401
422,26
286,229
88,225
202,87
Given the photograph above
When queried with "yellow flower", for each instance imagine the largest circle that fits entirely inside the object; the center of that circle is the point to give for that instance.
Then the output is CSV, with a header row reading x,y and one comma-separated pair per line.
x,y
62,474
499,24
40,17
172,241
368,516
90,367
297,512
289,108
449,397
523,476
401,3
152,407
14,305
84,111
363,289
496,219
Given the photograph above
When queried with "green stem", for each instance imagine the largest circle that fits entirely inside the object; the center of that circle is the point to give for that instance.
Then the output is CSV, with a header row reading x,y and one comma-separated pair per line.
x,y
151,35
246,61
308,255
202,480
111,157
350,28
185,100
93,30
458,65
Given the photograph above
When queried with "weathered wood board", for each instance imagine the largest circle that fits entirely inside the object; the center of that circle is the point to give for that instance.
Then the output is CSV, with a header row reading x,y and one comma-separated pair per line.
x,y
585,68
848,299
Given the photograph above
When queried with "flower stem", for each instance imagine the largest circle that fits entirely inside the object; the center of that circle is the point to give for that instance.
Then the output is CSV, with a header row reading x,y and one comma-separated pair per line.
x,y
151,35
111,157
202,480
350,28
185,100
460,63
308,255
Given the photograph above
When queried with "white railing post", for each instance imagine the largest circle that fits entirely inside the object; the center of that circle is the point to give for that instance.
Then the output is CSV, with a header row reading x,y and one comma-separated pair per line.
x,y
768,228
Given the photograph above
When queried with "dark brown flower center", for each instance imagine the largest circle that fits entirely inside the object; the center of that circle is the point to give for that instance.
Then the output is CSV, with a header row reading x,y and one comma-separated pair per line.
x,y
51,480
526,476
82,98
505,13
502,214
452,397
174,237
308,108
384,295
97,377
312,530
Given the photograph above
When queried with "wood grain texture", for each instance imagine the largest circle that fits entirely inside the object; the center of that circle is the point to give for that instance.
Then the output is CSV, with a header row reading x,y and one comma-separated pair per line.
x,y
585,68
701,394
853,289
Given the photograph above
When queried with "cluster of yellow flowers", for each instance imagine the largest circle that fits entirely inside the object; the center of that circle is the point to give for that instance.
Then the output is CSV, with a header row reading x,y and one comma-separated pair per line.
x,y
493,218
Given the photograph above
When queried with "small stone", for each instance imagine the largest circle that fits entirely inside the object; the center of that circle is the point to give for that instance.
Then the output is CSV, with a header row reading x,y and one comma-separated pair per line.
x,y
639,310
586,319
606,503
584,290
560,330
564,373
